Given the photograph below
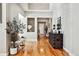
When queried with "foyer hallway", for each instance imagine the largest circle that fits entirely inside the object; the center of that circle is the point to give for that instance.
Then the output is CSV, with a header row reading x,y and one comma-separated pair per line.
x,y
40,48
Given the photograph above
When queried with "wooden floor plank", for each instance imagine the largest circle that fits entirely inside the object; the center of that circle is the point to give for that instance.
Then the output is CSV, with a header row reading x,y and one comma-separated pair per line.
x,y
40,48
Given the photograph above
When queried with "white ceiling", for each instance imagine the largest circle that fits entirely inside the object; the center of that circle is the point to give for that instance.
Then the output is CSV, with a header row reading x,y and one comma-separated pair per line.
x,y
35,6
24,6
38,6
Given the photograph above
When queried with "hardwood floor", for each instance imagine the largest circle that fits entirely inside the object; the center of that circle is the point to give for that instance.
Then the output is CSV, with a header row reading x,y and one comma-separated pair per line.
x,y
40,48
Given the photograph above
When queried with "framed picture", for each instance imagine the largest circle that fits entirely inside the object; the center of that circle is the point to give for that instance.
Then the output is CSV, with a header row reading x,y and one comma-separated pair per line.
x,y
0,13
30,24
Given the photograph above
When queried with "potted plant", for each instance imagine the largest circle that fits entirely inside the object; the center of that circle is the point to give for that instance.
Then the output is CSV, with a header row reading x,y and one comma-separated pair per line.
x,y
14,27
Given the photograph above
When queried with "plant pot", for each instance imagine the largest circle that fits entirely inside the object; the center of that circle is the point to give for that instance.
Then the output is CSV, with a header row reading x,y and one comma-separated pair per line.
x,y
13,51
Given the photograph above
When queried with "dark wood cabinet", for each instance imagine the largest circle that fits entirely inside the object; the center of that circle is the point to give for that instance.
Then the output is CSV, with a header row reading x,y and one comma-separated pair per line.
x,y
56,40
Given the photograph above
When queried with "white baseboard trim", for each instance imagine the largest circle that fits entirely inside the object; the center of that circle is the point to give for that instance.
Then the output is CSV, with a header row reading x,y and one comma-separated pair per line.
x,y
34,40
69,53
3,54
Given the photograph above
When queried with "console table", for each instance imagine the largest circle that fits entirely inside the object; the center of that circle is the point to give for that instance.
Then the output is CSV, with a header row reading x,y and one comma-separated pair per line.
x,y
56,40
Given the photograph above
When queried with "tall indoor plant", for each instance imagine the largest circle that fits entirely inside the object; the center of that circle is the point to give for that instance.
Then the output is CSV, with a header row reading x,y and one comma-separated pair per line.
x,y
14,27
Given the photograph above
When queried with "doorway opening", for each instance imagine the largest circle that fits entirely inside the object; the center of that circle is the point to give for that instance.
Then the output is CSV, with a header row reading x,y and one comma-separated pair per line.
x,y
44,26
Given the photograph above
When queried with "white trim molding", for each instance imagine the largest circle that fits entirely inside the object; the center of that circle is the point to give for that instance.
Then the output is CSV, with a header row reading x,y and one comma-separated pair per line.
x,y
69,53
33,40
3,54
